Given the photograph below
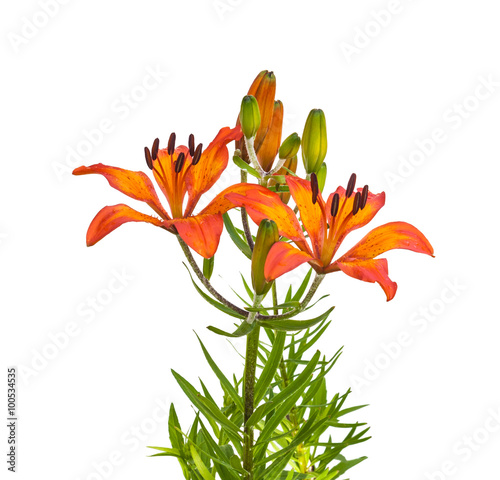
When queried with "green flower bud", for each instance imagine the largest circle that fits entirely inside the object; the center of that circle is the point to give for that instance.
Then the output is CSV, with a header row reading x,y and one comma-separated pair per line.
x,y
290,146
267,236
249,116
314,143
322,177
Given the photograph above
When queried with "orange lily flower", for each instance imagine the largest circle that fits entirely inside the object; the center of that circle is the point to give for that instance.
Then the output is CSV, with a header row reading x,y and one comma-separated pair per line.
x,y
327,224
178,172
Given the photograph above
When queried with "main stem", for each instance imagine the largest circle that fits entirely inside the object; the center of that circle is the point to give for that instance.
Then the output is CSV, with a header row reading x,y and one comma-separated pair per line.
x,y
249,392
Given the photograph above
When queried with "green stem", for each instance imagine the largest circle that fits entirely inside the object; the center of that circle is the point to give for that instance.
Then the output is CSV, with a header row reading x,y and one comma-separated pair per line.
x,y
249,393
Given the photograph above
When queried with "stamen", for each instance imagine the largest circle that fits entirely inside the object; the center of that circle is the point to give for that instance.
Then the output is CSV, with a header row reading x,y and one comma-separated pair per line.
x,y
197,154
171,144
335,205
191,145
314,187
355,206
179,163
154,150
149,160
350,185
364,197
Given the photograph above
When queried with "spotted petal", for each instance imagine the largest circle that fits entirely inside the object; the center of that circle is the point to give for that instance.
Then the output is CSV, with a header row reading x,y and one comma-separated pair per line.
x,y
213,161
260,203
283,258
110,218
136,185
312,215
370,271
201,232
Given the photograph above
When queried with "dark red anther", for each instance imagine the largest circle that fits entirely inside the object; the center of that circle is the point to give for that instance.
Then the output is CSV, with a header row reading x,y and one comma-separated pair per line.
x,y
355,206
335,205
364,197
191,145
149,160
154,150
350,185
179,163
171,144
314,187
197,154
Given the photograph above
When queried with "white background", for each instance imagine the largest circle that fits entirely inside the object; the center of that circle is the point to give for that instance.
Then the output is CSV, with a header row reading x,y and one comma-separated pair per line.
x,y
65,75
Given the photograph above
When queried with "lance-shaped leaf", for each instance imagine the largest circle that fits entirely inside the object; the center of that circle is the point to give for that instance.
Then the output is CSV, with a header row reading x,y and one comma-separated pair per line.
x,y
273,361
293,325
208,408
226,384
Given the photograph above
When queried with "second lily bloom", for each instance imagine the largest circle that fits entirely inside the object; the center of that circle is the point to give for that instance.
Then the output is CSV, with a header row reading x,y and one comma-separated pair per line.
x,y
327,223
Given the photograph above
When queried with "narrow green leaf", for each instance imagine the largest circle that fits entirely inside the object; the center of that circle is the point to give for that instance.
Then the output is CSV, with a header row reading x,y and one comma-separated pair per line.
x,y
206,407
244,329
285,400
210,300
174,429
166,452
226,384
235,237
273,361
303,286
293,325
239,162
202,469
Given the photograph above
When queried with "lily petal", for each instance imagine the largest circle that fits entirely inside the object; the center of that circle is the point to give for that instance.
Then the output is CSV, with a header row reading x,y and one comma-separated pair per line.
x,y
260,203
312,215
110,218
390,236
283,258
202,176
201,232
136,185
369,270
345,222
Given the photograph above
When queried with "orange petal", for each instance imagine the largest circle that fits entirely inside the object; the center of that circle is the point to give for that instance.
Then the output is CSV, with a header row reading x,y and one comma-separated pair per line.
x,y
202,176
390,236
283,258
110,218
260,203
271,144
369,270
312,215
345,222
202,232
136,185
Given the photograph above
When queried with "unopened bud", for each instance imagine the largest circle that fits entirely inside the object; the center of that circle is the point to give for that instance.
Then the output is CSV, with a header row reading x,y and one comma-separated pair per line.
x,y
322,177
290,146
314,142
249,116
267,236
